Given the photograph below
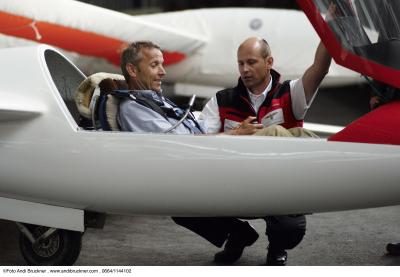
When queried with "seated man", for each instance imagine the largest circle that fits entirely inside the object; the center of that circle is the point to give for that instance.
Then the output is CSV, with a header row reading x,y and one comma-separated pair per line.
x,y
149,111
142,67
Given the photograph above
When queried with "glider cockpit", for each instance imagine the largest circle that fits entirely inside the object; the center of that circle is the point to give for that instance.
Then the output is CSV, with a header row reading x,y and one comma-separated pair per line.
x,y
53,172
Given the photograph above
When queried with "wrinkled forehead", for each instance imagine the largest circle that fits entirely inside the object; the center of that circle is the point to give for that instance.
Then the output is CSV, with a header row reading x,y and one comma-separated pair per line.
x,y
151,54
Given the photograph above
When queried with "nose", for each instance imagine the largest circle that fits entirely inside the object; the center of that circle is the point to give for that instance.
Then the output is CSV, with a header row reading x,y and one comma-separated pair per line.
x,y
245,68
161,71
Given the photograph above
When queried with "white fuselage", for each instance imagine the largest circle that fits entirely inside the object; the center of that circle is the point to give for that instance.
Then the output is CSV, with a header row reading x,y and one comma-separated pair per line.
x,y
46,158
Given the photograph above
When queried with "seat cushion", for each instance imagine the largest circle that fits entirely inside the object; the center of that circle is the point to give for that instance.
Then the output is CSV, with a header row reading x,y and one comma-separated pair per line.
x,y
85,91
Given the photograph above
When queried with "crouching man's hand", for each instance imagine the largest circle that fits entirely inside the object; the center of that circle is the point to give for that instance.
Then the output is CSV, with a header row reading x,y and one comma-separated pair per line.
x,y
246,127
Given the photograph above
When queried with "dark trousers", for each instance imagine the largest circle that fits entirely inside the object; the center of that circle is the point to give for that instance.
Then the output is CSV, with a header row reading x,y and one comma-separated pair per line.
x,y
283,232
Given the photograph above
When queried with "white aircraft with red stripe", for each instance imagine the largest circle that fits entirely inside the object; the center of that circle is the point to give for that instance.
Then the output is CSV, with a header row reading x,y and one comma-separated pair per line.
x,y
57,178
199,45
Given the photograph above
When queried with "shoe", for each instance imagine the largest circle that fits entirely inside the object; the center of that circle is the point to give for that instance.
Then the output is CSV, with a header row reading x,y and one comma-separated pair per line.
x,y
235,245
276,258
393,249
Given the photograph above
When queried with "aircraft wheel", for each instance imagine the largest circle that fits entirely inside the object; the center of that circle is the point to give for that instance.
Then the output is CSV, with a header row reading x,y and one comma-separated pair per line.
x,y
61,248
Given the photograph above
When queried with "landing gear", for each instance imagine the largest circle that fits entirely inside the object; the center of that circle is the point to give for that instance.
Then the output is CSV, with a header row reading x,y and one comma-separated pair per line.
x,y
41,245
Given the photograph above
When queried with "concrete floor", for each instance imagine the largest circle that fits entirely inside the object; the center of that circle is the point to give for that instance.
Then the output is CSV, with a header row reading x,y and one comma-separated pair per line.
x,y
341,238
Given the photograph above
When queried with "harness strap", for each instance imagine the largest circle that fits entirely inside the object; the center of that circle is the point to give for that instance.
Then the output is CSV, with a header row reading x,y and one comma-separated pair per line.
x,y
175,112
153,106
190,115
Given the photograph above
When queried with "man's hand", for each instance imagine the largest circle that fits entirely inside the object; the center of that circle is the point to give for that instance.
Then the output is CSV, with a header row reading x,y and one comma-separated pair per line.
x,y
246,127
374,102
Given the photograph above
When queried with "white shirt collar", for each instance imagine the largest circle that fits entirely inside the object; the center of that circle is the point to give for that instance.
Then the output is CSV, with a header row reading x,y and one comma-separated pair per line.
x,y
264,93
257,100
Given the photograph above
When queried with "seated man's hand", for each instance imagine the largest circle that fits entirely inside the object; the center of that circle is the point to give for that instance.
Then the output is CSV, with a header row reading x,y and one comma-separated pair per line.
x,y
246,127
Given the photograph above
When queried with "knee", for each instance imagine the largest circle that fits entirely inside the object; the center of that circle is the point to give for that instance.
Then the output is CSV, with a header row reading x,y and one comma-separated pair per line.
x,y
286,232
286,223
291,239
275,131
301,132
285,239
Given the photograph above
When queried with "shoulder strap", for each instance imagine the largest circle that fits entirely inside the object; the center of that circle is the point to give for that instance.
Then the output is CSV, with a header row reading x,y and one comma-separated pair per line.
x,y
163,111
151,105
144,101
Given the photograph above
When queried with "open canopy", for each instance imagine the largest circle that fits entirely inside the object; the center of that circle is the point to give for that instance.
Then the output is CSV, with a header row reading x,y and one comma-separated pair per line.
x,y
363,35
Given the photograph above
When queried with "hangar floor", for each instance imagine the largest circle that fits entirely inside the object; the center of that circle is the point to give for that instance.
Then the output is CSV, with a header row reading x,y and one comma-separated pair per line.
x,y
355,238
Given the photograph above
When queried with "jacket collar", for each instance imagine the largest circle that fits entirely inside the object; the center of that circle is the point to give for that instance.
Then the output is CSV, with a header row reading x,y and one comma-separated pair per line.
x,y
275,81
151,95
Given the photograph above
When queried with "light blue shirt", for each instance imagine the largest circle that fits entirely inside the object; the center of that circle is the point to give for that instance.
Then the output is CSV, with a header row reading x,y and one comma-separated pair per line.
x,y
135,117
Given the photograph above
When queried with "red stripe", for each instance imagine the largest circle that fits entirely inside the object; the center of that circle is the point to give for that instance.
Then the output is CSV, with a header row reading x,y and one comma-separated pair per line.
x,y
70,39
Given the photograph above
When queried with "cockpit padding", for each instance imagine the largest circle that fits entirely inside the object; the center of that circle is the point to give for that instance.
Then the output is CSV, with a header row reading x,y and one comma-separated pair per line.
x,y
88,92
109,104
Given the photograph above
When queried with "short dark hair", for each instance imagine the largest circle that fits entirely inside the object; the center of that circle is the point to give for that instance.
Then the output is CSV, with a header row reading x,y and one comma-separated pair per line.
x,y
132,54
266,50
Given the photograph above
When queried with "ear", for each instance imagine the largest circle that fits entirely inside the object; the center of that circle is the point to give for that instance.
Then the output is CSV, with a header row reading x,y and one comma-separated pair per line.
x,y
269,62
131,69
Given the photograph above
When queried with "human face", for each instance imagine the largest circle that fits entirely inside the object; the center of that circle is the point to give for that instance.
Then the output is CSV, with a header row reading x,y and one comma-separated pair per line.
x,y
150,71
254,68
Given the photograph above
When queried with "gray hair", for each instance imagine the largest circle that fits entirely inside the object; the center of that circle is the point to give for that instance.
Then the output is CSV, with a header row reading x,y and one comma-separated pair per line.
x,y
133,54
